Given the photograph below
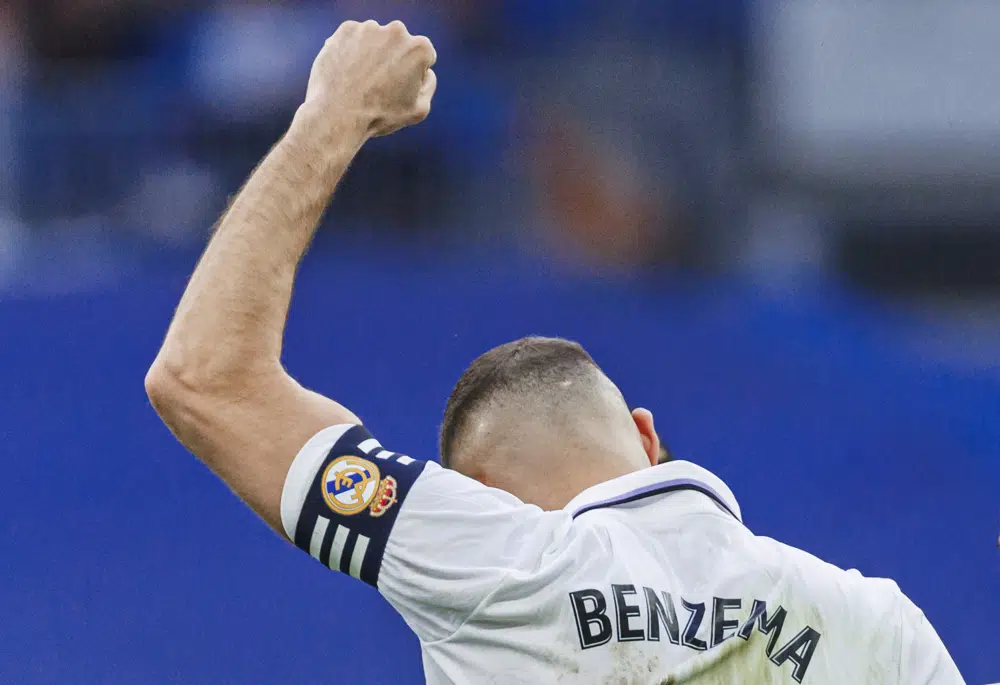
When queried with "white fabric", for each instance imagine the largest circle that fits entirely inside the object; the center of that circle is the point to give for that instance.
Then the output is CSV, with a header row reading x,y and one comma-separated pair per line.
x,y
487,583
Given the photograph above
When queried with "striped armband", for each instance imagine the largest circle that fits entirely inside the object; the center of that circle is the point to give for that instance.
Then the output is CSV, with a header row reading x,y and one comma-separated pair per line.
x,y
342,496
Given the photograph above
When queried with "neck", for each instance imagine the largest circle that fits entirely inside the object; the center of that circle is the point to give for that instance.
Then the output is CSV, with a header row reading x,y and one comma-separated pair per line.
x,y
555,488
549,473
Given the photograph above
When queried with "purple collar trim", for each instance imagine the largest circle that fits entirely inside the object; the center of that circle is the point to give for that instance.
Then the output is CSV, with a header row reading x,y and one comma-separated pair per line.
x,y
659,489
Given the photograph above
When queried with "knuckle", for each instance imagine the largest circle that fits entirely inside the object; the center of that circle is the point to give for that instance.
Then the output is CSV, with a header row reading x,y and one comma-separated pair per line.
x,y
397,27
424,47
345,27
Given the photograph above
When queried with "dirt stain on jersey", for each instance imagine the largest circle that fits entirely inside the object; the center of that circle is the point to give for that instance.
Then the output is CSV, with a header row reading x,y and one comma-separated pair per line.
x,y
629,666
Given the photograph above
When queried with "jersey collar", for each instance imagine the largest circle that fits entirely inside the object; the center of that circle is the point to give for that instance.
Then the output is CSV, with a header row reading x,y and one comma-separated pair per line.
x,y
673,476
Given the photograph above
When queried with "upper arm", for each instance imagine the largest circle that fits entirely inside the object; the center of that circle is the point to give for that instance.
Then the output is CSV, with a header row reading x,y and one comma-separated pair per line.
x,y
247,436
433,542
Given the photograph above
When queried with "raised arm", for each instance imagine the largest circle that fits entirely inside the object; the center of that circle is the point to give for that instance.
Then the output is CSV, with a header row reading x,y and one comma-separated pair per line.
x,y
218,382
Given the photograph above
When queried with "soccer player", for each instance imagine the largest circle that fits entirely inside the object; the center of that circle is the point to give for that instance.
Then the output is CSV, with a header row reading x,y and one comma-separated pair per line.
x,y
551,547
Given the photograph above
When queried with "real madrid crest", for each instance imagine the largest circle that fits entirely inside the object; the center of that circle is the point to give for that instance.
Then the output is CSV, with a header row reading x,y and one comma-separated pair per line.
x,y
350,485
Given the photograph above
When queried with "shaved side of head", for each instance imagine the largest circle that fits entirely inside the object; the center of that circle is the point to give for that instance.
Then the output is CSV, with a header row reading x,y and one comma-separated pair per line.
x,y
532,399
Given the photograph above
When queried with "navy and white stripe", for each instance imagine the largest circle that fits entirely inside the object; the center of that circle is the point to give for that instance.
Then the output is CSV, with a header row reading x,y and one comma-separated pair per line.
x,y
372,448
351,544
338,547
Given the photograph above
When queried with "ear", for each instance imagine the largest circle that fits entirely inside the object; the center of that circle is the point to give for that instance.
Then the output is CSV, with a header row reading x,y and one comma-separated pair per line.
x,y
647,433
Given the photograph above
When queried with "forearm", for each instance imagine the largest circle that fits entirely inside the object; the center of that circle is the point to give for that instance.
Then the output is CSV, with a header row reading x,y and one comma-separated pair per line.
x,y
230,322
218,382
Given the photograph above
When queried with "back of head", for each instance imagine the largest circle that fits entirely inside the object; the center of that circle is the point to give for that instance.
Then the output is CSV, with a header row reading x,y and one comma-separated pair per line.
x,y
539,407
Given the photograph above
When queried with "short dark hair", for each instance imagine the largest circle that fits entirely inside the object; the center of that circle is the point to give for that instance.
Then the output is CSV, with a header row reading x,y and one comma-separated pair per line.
x,y
531,362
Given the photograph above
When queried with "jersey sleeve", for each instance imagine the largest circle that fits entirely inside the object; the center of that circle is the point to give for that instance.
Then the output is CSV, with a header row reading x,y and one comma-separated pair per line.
x,y
924,660
433,542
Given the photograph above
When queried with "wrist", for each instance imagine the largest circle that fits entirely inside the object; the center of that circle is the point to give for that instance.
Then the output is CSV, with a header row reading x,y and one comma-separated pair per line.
x,y
335,132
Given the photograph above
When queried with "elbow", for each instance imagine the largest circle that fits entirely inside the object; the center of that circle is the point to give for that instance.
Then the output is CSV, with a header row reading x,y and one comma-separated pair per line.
x,y
185,404
177,378
177,388
169,393
186,395
161,385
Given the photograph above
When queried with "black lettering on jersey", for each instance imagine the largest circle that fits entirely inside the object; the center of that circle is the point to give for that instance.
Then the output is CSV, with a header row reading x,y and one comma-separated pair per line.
x,y
595,627
625,611
657,611
592,623
772,626
690,638
799,651
720,624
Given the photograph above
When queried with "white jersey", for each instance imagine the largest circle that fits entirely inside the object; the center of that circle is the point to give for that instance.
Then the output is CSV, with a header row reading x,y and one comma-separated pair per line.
x,y
646,579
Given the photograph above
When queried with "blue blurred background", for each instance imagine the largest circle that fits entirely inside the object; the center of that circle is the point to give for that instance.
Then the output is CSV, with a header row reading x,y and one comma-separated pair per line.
x,y
775,224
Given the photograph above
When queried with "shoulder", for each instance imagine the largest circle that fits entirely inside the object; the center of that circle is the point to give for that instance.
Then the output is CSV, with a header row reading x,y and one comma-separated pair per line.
x,y
486,522
846,591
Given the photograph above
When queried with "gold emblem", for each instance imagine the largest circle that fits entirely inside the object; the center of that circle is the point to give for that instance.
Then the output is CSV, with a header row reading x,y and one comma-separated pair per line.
x,y
350,484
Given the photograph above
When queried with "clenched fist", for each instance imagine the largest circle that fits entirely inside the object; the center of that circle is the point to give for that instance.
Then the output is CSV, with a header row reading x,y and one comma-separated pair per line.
x,y
380,74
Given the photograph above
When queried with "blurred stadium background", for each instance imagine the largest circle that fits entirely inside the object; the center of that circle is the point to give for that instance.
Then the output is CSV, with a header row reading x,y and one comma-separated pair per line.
x,y
775,223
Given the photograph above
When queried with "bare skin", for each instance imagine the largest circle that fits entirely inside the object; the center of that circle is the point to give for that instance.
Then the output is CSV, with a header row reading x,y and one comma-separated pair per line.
x,y
218,382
